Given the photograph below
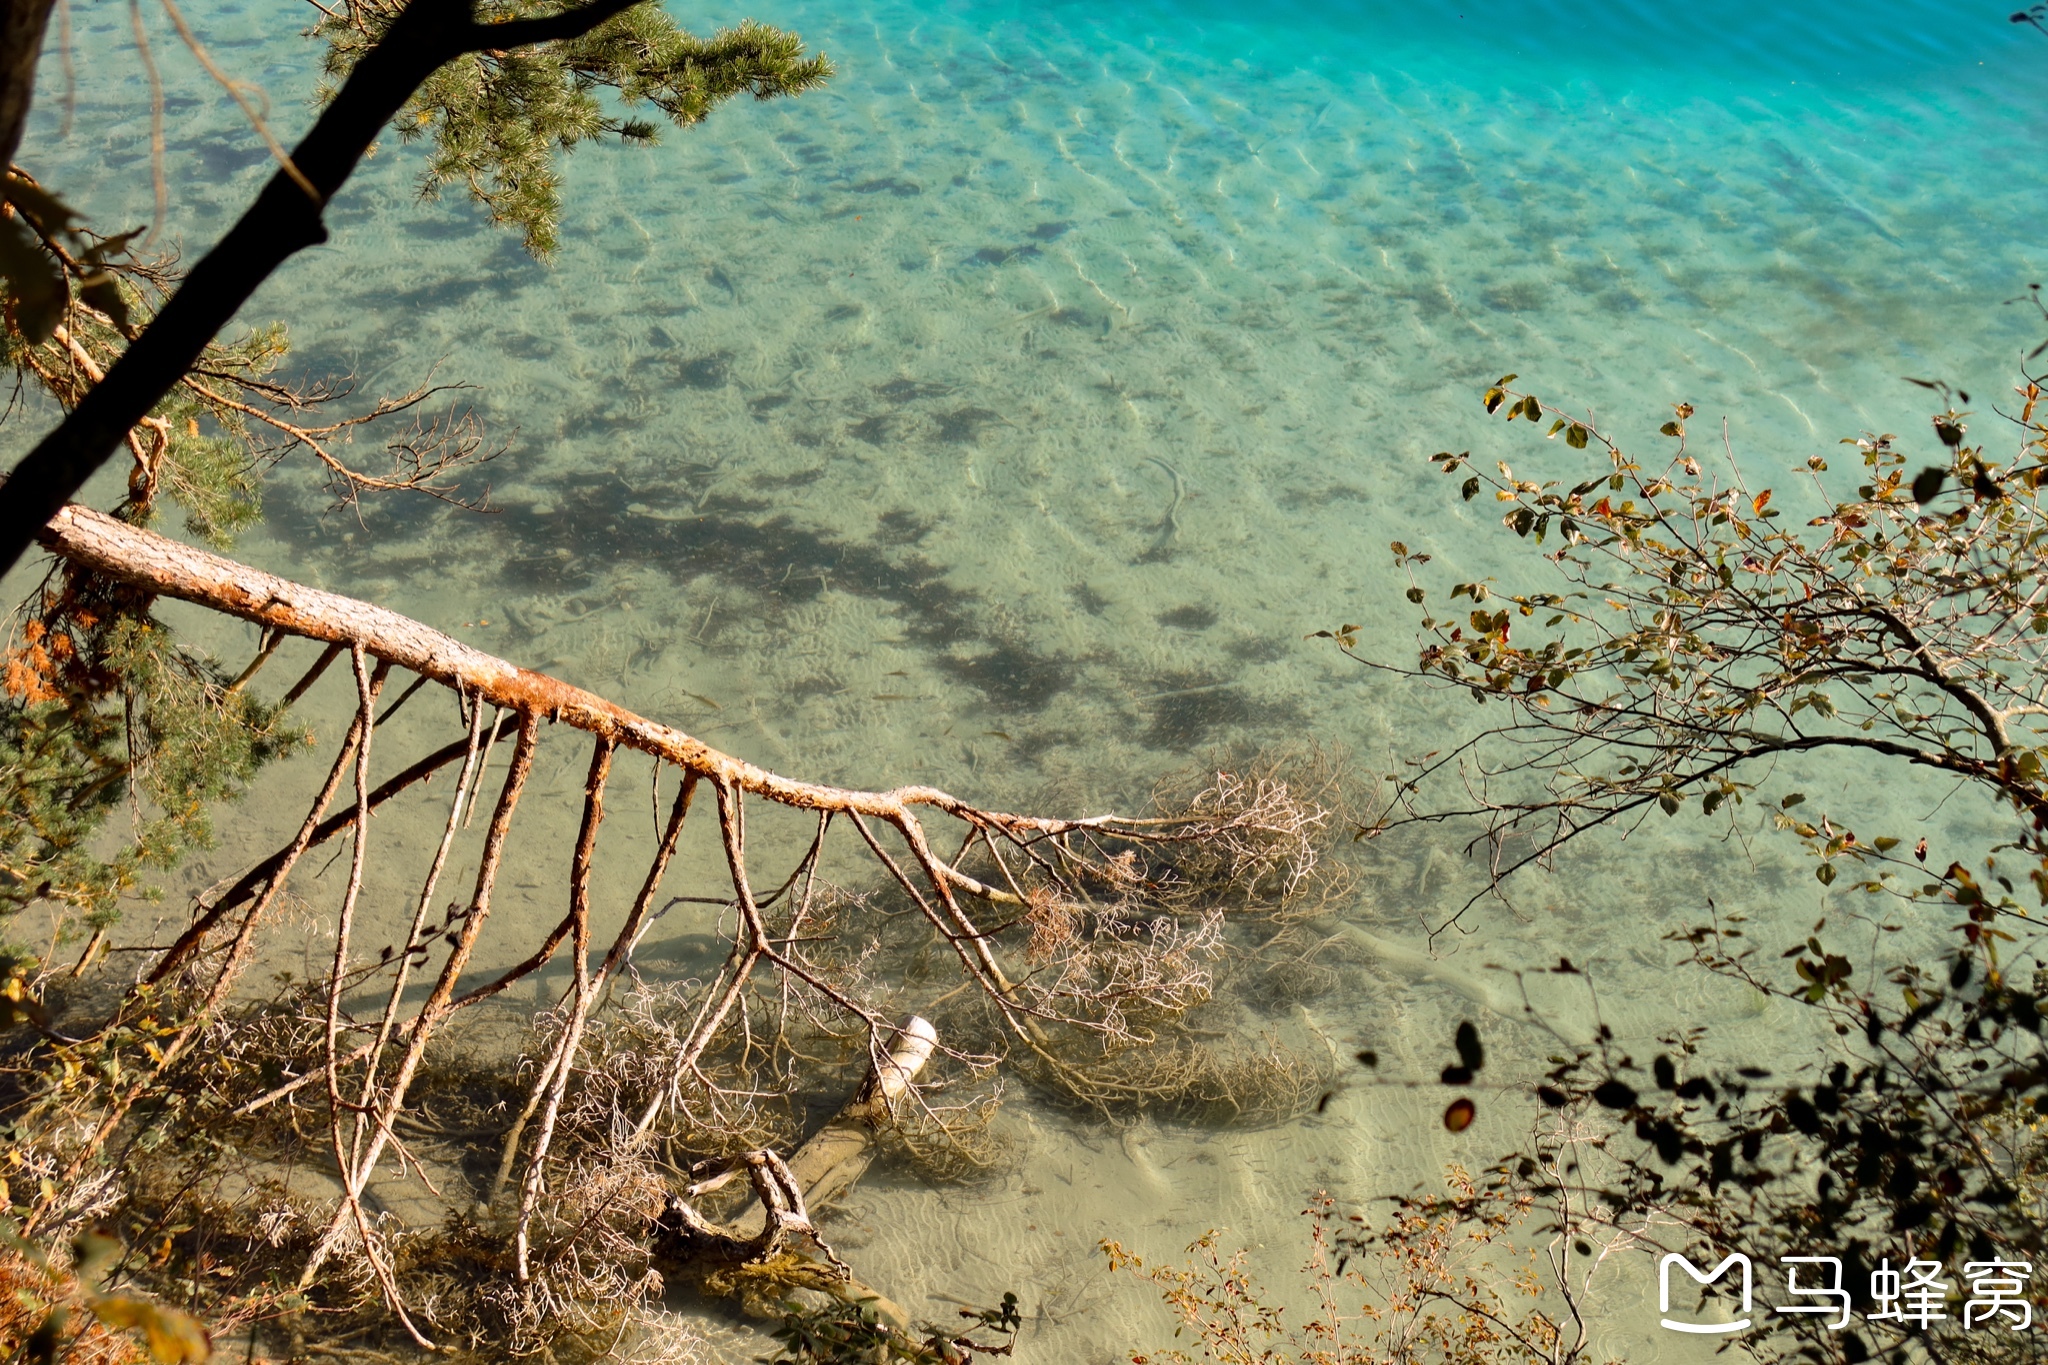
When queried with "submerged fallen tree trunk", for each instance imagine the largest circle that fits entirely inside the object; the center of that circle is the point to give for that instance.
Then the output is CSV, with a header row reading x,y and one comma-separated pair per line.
x,y
1114,927
837,1155
752,1258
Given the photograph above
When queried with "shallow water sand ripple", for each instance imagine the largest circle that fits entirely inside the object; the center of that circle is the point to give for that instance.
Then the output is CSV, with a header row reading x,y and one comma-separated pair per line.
x,y
849,415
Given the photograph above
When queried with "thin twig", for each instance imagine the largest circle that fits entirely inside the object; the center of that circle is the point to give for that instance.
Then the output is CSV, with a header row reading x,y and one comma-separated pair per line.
x,y
579,1011
158,187
234,89
435,1009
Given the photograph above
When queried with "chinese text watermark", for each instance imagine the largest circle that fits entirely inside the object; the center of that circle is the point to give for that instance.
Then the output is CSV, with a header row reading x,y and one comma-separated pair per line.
x,y
1915,1294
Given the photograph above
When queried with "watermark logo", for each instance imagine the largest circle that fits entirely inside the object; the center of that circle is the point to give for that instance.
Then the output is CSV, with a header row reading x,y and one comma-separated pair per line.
x,y
1701,1277
1913,1295
1998,1290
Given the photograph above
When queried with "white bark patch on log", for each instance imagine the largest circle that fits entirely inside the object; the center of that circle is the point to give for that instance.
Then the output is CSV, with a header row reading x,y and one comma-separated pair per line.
x,y
913,1049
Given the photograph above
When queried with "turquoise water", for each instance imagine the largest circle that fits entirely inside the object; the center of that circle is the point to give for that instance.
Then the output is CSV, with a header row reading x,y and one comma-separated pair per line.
x,y
1005,414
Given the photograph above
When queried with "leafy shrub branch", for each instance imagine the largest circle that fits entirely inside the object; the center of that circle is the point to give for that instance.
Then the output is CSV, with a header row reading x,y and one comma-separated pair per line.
x,y
498,115
1698,634
1700,630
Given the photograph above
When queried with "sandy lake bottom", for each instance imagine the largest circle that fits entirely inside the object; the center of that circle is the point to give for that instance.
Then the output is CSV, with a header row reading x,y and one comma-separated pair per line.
x,y
1005,415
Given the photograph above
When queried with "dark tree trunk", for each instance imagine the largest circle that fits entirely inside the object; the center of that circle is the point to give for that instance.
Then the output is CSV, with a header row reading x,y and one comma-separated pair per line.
x,y
22,23
283,221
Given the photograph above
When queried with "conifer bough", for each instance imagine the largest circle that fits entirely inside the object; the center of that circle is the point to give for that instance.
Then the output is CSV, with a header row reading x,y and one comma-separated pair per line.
x,y
396,53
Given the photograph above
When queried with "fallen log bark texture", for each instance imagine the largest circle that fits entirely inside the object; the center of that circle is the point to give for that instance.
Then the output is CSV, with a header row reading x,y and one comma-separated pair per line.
x,y
171,568
1103,935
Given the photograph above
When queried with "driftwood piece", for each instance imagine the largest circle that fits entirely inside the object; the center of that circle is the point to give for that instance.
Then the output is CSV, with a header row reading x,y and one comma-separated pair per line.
x,y
752,1256
689,1239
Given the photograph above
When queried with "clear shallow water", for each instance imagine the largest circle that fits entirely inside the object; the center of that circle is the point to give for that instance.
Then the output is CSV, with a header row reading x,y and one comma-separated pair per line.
x,y
860,416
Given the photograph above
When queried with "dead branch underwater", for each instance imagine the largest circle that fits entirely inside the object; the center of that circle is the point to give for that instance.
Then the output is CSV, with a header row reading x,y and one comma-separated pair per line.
x,y
391,1152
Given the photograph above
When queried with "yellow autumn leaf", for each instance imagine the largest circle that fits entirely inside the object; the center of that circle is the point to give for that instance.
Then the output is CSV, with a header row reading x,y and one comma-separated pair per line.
x,y
174,1337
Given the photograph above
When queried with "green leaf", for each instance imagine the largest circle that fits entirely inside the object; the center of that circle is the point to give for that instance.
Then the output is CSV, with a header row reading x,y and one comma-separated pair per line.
x,y
1927,484
1415,595
1670,802
93,1254
1671,429
1792,800
1576,437
1825,874
1470,490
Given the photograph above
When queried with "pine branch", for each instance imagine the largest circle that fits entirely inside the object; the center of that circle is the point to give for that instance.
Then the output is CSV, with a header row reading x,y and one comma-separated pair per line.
x,y
285,219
